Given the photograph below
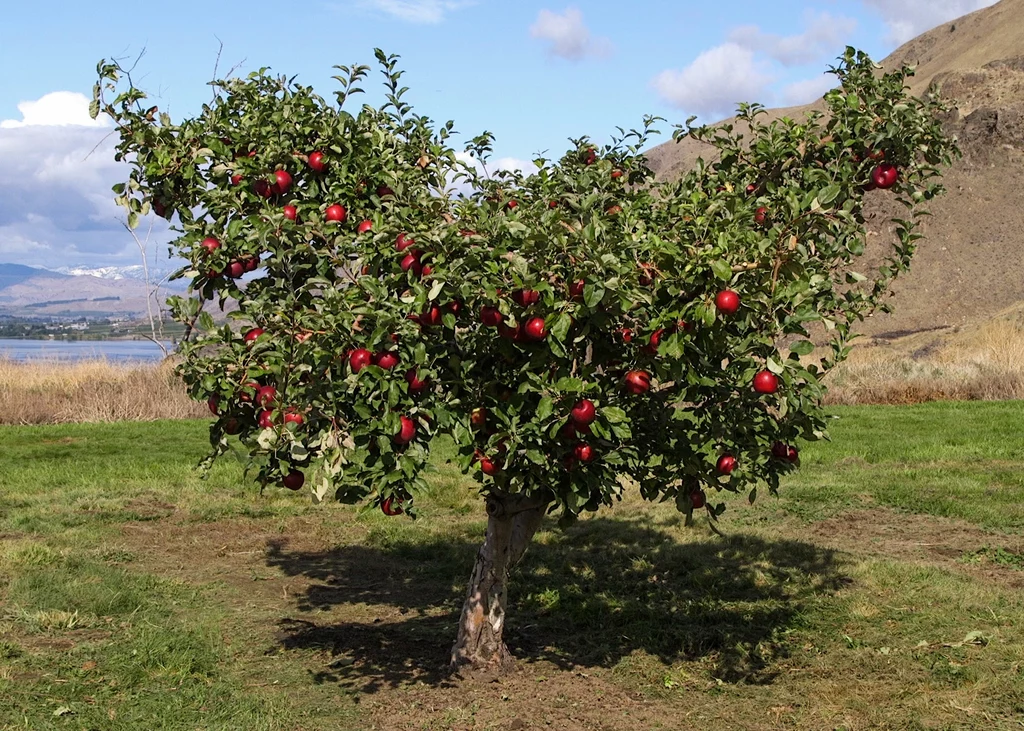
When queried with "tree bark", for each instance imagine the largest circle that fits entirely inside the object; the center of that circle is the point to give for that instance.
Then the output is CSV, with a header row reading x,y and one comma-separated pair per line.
x,y
511,524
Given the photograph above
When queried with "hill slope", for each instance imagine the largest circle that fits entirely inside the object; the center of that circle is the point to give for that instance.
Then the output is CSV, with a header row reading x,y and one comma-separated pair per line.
x,y
969,267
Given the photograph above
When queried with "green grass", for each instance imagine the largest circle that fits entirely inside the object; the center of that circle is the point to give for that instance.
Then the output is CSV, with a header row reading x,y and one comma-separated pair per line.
x,y
135,595
953,459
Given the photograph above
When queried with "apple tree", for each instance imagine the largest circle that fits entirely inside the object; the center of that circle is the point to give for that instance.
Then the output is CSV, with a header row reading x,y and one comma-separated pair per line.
x,y
579,330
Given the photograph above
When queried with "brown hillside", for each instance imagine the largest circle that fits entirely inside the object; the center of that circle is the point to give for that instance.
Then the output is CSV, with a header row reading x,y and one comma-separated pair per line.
x,y
970,267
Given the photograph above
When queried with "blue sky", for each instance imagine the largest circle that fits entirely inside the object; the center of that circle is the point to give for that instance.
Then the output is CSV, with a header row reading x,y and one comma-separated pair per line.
x,y
535,73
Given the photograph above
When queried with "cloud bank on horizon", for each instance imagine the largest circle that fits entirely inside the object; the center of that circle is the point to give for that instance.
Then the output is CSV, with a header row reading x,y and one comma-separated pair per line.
x,y
56,206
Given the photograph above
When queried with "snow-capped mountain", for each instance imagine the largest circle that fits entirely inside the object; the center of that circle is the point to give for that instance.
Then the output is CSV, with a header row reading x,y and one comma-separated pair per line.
x,y
135,271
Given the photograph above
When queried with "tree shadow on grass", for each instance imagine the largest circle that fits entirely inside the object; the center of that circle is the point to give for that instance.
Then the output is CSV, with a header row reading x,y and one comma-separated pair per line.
x,y
589,596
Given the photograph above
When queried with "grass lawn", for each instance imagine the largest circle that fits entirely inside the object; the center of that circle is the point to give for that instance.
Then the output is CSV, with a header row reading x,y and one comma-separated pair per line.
x,y
884,588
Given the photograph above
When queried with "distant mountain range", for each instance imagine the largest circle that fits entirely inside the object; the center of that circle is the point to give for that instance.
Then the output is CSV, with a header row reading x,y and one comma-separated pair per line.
x,y
73,292
136,272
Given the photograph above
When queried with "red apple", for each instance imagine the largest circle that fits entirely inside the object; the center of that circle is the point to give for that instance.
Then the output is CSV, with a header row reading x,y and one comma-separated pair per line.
x,y
698,499
263,188
478,417
589,156
210,244
512,204
359,359
726,464
490,316
431,316
751,189
265,419
159,208
534,329
316,161
427,270
265,395
384,191
760,215
386,360
291,416
638,382
248,392
291,212
236,179
403,242
406,431
411,261
336,213
509,332
364,226
727,302
251,335
526,297
613,210
282,182
391,507
780,450
552,204
616,174
232,426
885,176
766,382
793,454
655,340
584,412
294,480
252,263
583,452
627,334
235,269
416,386
489,466
576,289
212,403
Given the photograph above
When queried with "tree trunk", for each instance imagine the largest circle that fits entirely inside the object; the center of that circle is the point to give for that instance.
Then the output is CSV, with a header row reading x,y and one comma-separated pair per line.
x,y
511,523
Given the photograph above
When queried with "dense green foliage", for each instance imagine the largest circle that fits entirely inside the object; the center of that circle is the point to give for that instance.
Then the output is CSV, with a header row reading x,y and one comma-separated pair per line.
x,y
400,292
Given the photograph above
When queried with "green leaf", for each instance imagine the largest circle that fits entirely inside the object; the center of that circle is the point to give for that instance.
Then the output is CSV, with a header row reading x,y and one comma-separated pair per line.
x,y
722,269
613,414
802,347
559,329
519,264
829,194
545,408
592,295
775,367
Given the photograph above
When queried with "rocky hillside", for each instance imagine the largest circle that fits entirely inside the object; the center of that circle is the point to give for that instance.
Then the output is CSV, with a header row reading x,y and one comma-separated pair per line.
x,y
970,267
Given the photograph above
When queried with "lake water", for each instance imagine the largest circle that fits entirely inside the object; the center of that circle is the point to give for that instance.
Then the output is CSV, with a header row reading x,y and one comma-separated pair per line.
x,y
120,351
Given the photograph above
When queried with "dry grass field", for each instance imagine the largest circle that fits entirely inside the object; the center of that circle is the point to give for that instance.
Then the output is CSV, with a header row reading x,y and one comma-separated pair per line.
x,y
985,363
91,391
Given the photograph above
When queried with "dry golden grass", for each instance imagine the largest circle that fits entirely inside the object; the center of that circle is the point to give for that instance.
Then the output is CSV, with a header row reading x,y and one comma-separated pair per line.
x,y
91,391
981,364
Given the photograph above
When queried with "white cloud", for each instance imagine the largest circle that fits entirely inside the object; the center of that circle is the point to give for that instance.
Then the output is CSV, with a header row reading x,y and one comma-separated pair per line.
x,y
808,90
428,12
567,36
58,108
907,19
824,35
514,163
56,206
715,82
